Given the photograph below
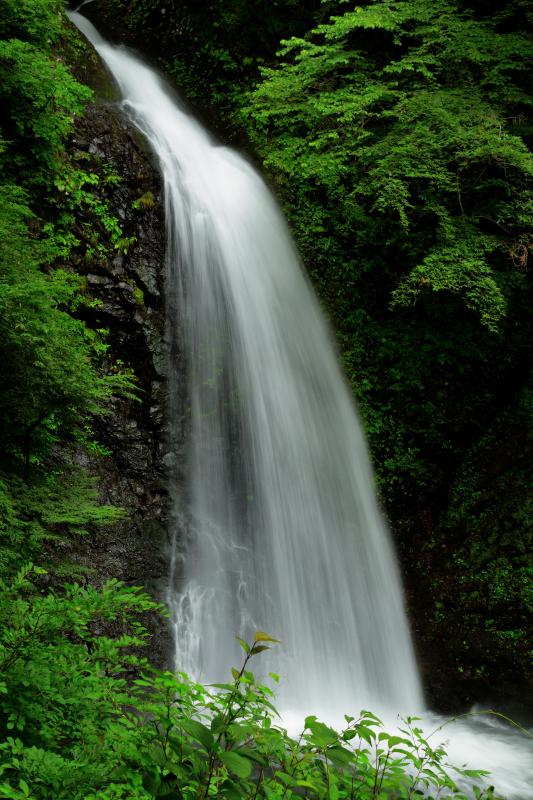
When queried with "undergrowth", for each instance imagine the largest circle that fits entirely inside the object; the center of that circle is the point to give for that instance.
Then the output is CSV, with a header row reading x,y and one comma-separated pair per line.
x,y
76,726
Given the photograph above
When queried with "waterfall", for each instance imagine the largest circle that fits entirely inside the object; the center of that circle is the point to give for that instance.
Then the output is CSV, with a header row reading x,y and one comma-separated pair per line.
x,y
285,532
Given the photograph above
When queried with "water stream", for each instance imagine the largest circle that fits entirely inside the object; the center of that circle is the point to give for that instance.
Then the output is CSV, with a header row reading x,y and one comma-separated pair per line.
x,y
285,534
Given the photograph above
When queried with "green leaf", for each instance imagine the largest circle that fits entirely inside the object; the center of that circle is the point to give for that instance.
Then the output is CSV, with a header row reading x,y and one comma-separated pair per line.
x,y
258,649
307,785
285,778
254,755
339,755
236,763
261,636
243,644
199,732
230,791
366,733
321,735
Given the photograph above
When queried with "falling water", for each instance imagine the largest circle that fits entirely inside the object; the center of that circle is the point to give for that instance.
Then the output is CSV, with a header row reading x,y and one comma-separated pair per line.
x,y
284,531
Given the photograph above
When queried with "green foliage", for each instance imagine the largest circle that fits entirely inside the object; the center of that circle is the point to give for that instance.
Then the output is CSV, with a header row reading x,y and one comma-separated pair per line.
x,y
49,505
75,729
57,377
42,97
36,21
39,97
63,684
79,198
48,355
397,134
414,142
146,200
55,370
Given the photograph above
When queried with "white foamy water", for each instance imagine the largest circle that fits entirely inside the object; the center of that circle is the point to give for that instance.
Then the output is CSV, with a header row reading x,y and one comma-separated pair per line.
x,y
285,532
478,741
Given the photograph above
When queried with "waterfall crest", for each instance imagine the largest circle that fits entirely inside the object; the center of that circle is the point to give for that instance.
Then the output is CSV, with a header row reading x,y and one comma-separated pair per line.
x,y
285,532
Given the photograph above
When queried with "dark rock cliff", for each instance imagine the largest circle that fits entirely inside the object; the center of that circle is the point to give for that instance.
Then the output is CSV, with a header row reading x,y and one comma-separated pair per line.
x,y
128,290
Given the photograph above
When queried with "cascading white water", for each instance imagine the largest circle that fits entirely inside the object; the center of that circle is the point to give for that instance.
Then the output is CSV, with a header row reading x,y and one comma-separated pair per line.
x,y
285,533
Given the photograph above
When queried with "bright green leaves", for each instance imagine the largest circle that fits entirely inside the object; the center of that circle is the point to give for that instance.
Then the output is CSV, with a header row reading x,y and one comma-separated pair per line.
x,y
200,733
77,729
374,16
39,99
44,507
45,351
261,636
245,646
237,764
37,21
212,50
57,379
54,385
394,197
79,196
55,382
416,129
255,648
455,269
65,685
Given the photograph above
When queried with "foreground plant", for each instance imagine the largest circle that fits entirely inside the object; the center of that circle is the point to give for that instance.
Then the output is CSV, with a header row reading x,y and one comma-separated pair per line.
x,y
73,726
228,741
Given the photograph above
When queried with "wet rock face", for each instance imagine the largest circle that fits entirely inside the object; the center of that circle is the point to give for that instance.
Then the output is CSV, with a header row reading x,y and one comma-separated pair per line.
x,y
129,292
